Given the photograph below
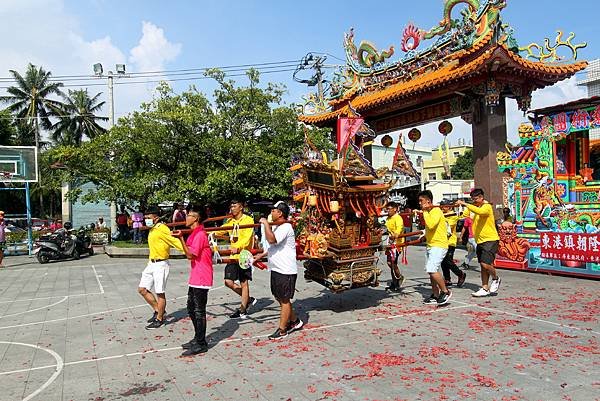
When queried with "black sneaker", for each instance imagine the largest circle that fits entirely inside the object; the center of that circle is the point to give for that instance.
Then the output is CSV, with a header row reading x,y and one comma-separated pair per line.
x,y
155,324
293,326
238,314
444,298
195,350
278,335
251,302
461,280
392,288
430,300
448,283
153,318
189,344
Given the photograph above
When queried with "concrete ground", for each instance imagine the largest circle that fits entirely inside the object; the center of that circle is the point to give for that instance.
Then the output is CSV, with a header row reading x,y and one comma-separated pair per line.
x,y
75,331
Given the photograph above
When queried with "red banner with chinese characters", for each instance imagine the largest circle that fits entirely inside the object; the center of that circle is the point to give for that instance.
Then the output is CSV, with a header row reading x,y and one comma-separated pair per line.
x,y
570,246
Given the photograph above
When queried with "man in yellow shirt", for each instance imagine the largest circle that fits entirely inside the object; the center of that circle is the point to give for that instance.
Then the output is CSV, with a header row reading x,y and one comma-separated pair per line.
x,y
486,237
156,272
436,235
395,227
240,239
448,262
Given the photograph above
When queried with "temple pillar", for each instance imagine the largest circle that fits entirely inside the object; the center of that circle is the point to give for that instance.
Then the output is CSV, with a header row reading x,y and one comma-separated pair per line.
x,y
489,137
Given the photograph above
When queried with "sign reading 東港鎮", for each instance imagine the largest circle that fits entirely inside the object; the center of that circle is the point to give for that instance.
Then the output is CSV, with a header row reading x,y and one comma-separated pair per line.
x,y
570,246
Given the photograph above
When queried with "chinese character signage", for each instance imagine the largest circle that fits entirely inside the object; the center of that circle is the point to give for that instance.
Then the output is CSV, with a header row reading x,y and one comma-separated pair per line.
x,y
566,122
570,246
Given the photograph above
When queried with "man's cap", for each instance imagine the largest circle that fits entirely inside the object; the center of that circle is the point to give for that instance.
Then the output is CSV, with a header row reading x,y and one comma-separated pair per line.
x,y
153,210
282,206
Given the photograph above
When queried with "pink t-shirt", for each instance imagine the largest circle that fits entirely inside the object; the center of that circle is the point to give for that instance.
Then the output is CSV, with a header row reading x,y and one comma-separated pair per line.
x,y
201,271
469,224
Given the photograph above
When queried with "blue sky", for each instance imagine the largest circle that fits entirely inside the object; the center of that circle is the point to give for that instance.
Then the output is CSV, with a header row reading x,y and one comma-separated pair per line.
x,y
170,35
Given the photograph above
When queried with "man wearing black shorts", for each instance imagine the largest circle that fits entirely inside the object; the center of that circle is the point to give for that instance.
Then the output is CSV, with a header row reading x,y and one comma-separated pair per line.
x,y
240,239
284,270
486,236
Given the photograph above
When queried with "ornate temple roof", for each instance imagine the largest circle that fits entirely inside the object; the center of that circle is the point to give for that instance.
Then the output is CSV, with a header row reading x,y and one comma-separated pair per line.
x,y
479,51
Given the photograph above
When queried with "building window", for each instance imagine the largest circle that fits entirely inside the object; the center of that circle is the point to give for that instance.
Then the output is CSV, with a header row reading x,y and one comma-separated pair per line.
x,y
456,154
432,176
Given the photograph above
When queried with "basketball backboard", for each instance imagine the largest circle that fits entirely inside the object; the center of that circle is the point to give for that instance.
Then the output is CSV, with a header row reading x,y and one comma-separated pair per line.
x,y
18,164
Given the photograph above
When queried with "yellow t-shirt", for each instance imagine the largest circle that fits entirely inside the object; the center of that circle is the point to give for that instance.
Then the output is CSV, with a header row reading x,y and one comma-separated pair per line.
x,y
160,242
436,233
452,219
245,235
484,225
395,226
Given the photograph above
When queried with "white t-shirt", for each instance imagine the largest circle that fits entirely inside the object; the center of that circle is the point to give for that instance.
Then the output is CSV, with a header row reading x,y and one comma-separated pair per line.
x,y
282,255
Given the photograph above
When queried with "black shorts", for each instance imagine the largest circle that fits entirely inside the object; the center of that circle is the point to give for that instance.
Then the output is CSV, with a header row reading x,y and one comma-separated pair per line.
x,y
283,286
234,272
486,252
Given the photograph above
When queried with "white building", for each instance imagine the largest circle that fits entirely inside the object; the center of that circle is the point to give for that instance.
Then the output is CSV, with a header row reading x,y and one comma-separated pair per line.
x,y
592,82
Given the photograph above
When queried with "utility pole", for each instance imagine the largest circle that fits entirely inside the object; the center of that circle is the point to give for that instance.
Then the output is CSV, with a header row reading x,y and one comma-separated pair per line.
x,y
98,70
319,76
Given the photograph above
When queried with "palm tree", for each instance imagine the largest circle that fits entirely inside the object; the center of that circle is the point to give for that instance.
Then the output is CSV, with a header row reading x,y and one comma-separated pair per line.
x,y
76,118
29,98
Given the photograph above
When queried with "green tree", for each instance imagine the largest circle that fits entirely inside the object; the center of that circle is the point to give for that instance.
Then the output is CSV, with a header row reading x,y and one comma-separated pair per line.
x,y
77,118
463,169
183,146
29,99
7,130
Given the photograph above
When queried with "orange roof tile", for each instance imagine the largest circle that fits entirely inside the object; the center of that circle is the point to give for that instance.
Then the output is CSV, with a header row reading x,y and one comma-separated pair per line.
x,y
453,71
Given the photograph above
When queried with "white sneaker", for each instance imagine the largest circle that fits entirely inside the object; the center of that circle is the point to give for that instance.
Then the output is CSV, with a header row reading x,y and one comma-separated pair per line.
x,y
481,293
495,285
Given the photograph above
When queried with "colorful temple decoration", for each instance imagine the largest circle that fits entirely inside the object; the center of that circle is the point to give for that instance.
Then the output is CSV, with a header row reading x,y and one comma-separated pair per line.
x,y
460,52
338,233
554,191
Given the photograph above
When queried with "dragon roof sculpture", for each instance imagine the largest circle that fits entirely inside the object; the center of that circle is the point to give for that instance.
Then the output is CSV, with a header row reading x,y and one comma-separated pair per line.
x,y
457,43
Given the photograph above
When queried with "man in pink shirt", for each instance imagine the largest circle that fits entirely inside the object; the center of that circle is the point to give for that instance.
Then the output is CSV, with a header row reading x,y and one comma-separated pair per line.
x,y
198,252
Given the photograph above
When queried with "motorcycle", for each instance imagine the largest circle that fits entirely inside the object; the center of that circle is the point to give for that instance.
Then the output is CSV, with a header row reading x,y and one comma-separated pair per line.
x,y
63,244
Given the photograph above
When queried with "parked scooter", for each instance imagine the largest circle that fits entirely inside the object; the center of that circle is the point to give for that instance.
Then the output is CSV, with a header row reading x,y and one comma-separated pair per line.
x,y
63,244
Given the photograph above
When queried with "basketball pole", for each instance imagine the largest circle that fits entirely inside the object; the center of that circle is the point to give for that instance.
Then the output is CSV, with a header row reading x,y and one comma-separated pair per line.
x,y
29,233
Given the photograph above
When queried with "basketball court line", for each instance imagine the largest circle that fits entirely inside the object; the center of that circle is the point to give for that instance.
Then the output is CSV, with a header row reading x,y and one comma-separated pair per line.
x,y
496,310
68,296
98,280
36,309
58,366
239,339
93,313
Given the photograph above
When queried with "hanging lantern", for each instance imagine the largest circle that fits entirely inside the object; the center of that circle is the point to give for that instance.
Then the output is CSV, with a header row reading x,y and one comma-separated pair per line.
x,y
312,200
414,135
334,206
445,127
387,141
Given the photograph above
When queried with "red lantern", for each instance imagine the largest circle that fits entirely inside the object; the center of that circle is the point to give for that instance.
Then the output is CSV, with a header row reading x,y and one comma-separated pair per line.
x,y
414,134
387,141
445,127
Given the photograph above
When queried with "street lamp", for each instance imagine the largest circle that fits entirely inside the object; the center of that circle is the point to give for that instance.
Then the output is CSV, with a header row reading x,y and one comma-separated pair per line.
x,y
98,71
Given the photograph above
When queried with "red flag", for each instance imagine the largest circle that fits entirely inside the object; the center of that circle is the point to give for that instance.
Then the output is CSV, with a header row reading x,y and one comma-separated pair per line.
x,y
347,127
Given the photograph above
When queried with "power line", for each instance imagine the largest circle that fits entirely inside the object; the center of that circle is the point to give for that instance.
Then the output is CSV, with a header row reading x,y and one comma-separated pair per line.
x,y
259,66
193,78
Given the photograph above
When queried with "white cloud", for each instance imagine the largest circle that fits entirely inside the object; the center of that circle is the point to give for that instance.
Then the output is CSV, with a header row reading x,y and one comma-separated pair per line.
x,y
53,39
153,50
